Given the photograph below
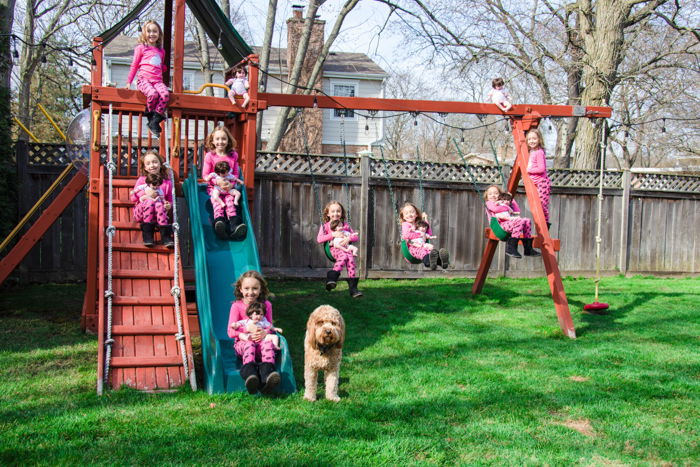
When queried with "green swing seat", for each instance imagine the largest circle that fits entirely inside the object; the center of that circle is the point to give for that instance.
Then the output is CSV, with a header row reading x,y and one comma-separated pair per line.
x,y
498,230
327,250
407,254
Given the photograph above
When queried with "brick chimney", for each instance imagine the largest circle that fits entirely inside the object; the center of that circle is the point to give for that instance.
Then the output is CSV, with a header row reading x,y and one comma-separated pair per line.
x,y
313,118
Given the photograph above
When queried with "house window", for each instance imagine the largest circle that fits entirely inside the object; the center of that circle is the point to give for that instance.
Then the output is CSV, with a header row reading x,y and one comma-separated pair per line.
x,y
344,90
187,81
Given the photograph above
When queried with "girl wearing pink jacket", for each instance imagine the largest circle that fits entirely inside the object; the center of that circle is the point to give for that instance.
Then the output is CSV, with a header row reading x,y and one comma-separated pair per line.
x,y
537,169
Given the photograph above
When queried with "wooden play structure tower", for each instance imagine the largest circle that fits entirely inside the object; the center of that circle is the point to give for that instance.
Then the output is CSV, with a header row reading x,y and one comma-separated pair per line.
x,y
141,344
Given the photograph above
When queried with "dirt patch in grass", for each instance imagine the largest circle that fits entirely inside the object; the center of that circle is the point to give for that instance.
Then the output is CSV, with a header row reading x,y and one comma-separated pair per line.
x,y
578,379
582,425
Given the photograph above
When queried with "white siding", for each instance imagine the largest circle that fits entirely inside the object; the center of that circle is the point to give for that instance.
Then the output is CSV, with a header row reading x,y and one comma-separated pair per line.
x,y
354,128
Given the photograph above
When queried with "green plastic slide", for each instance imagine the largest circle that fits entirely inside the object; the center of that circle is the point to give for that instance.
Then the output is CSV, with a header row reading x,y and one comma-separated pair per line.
x,y
218,263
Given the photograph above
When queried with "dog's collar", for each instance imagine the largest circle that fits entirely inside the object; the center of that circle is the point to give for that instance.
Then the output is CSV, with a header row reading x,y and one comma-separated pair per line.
x,y
324,348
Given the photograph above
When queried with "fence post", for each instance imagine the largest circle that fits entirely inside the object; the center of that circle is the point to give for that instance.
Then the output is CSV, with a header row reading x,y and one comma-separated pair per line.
x,y
624,221
364,212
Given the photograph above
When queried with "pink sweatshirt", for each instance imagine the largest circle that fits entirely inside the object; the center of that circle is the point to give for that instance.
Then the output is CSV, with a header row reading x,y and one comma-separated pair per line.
x,y
237,314
211,158
148,62
408,231
326,235
167,188
537,163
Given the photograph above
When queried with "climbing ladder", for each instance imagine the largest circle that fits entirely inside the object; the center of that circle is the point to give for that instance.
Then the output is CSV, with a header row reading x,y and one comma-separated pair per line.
x,y
139,346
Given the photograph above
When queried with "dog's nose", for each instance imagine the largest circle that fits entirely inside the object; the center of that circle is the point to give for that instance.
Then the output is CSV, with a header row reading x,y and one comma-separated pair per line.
x,y
328,331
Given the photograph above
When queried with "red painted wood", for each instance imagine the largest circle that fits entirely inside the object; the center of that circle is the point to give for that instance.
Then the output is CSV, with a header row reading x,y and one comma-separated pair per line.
x,y
161,300
556,286
484,266
367,103
142,363
156,329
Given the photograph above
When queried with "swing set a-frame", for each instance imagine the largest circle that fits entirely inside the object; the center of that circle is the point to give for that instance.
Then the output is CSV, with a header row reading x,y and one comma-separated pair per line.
x,y
523,118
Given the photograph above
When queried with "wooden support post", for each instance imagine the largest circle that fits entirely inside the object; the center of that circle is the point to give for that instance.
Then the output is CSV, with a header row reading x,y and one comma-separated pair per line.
x,y
625,220
486,258
364,213
167,37
248,135
561,304
88,320
179,46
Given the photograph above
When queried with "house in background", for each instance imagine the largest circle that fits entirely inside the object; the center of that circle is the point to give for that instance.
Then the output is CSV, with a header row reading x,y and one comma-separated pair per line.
x,y
343,74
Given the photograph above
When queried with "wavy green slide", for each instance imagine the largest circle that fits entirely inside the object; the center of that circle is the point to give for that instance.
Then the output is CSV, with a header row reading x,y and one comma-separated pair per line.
x,y
218,263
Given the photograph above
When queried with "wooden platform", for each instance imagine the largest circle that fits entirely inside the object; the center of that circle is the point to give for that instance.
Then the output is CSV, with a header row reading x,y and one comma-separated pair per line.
x,y
145,354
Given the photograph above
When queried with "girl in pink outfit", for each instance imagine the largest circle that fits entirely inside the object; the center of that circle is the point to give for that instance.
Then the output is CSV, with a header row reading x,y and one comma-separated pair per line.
x,y
227,221
239,86
431,257
518,227
537,169
148,68
148,212
256,353
335,211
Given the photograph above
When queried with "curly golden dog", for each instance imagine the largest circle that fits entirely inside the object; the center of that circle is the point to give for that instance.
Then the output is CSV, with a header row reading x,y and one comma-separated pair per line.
x,y
323,349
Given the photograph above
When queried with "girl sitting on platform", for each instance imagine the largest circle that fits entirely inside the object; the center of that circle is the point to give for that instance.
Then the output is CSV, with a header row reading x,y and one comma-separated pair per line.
x,y
146,210
518,227
334,211
429,255
227,221
256,353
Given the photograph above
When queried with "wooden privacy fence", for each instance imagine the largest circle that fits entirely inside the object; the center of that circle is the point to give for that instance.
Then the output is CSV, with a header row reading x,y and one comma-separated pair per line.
x,y
649,220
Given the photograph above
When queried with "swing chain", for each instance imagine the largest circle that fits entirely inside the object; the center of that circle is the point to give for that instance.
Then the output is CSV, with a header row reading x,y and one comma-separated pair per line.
x,y
314,185
345,159
421,194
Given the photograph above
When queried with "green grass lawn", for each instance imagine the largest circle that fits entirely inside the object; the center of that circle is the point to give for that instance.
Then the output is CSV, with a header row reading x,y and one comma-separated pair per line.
x,y
430,375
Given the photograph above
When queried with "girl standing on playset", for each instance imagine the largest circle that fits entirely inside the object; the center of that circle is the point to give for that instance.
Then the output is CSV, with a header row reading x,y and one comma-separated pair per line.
x,y
227,219
343,259
429,255
258,360
148,68
537,169
147,212
518,227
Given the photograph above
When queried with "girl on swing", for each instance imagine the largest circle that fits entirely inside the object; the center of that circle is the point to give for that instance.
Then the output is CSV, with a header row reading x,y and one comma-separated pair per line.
x,y
334,211
430,256
518,227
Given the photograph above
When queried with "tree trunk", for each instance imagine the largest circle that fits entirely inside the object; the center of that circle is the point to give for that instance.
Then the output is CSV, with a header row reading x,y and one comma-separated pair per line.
x,y
287,114
205,59
226,7
281,122
602,33
265,61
